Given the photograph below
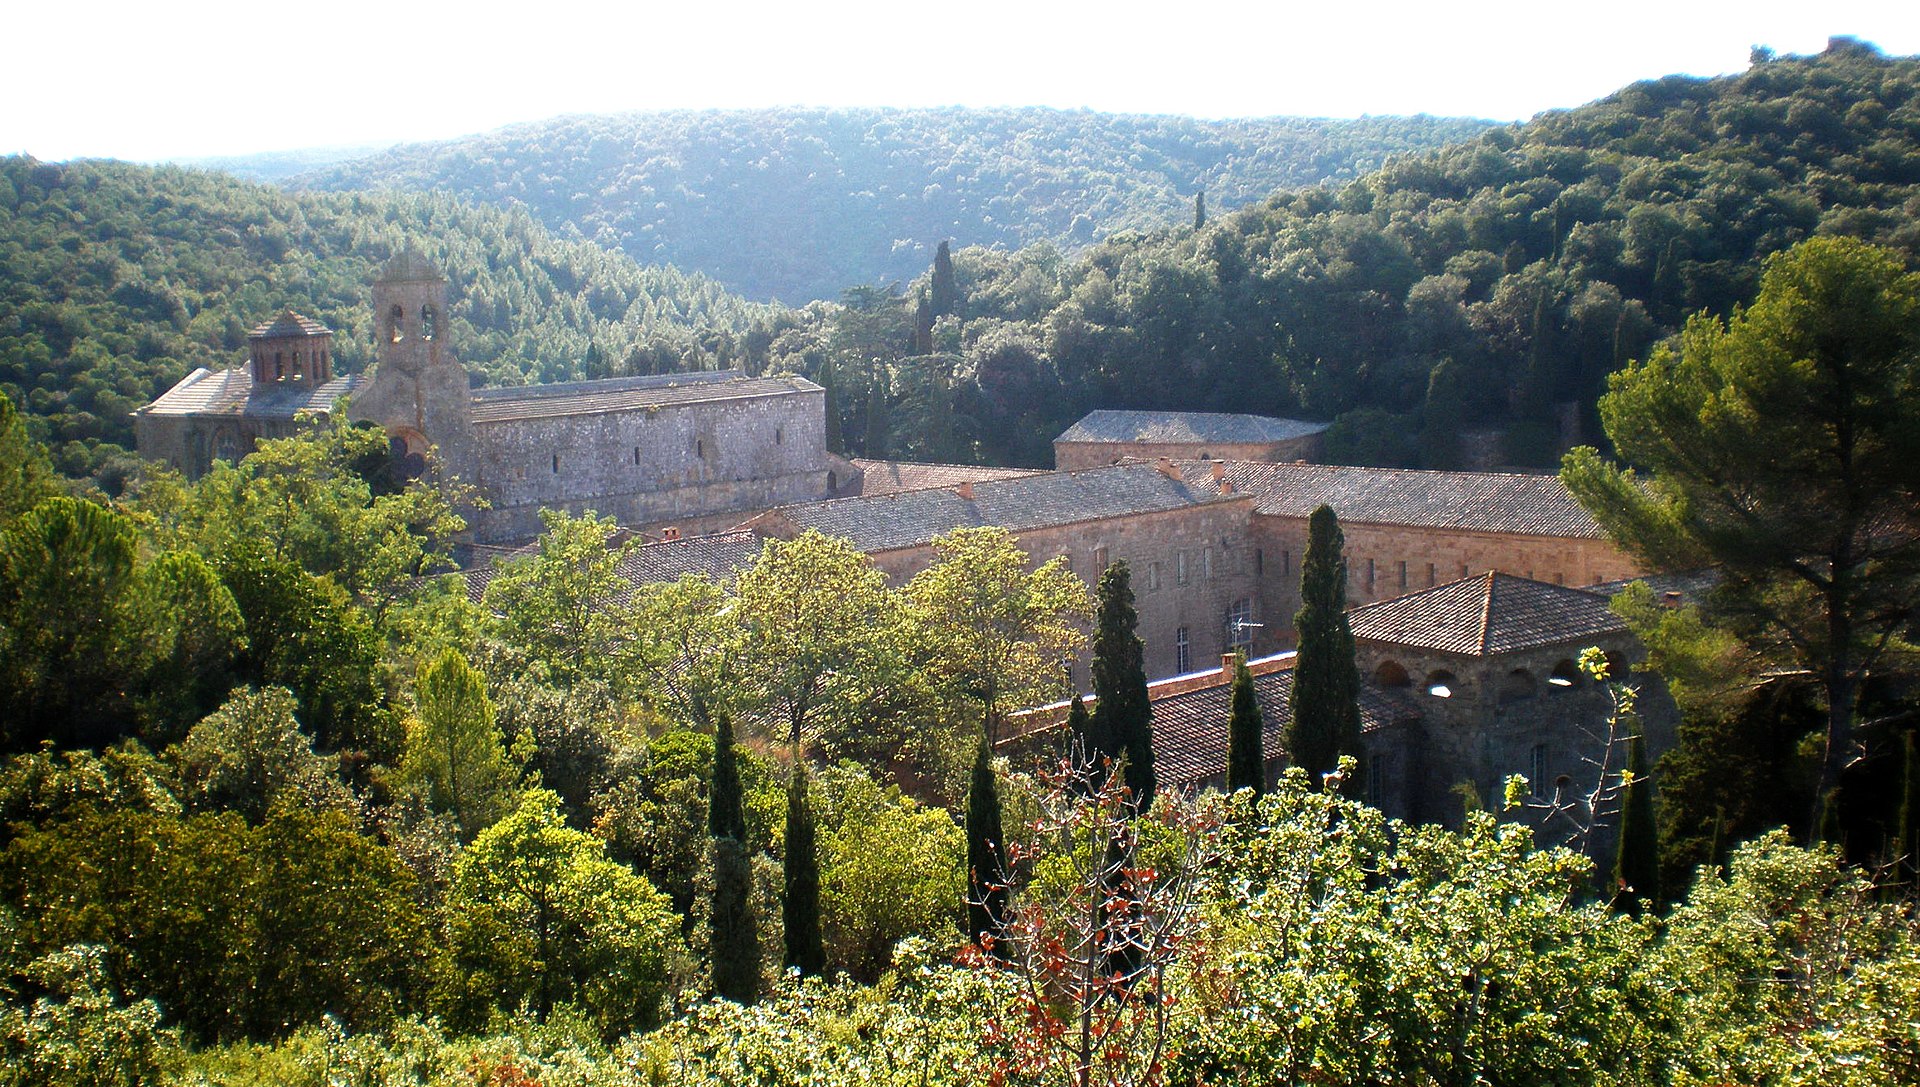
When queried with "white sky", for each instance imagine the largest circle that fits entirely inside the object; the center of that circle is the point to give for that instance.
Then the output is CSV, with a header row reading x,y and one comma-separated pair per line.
x,y
150,80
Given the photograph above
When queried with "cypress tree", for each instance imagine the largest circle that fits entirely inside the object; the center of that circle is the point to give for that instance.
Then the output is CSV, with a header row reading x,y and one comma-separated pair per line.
x,y
877,422
1246,754
986,885
1080,731
923,325
1122,716
835,442
735,943
944,299
1200,209
734,946
724,818
1326,681
806,951
1636,865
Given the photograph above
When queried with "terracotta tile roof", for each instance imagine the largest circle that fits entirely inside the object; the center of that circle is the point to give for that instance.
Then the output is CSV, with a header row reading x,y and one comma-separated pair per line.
x,y
890,522
891,476
717,556
1184,426
232,393
1489,614
289,323
1530,505
1190,718
618,394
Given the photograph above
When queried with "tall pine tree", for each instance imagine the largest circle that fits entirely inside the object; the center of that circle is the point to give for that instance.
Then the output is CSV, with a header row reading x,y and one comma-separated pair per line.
x,y
1122,716
1326,681
986,882
1636,865
1246,751
734,944
806,951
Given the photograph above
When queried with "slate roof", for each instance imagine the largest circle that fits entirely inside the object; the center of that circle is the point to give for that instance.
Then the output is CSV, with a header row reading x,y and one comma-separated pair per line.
x,y
1489,614
409,266
1184,426
1190,726
1528,505
890,476
289,323
621,394
232,393
890,522
717,556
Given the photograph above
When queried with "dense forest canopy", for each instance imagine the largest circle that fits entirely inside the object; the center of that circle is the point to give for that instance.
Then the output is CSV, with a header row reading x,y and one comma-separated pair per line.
x,y
797,204
116,280
1486,287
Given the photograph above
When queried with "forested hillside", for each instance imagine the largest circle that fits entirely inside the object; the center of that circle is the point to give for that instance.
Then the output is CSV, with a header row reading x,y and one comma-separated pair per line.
x,y
1487,286
115,280
797,204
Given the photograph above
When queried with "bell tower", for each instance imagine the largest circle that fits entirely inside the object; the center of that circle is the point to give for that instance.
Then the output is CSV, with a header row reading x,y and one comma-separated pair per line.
x,y
419,393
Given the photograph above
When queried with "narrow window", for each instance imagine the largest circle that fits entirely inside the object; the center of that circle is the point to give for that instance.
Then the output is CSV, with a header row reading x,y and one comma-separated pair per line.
x,y
1100,562
1286,564
700,449
1259,562
1182,653
776,435
1403,575
1180,568
1369,577
279,366
1153,576
428,320
1537,769
556,464
636,455
1463,569
1432,576
1240,624
396,325
1206,562
1376,778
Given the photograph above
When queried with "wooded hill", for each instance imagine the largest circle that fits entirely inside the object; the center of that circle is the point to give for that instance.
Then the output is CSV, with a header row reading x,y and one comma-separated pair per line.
x,y
798,204
1490,286
116,280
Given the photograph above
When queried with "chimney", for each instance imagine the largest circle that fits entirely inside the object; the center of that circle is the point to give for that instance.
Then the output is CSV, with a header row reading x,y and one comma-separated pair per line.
x,y
1166,468
965,490
1219,470
1227,661
1670,599
670,533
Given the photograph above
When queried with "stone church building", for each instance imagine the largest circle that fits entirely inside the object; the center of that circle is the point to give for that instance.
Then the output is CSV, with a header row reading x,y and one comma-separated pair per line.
x,y
638,449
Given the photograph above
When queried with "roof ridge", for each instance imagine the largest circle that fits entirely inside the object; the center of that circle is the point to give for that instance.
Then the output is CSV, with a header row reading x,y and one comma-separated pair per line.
x,y
1486,611
1462,473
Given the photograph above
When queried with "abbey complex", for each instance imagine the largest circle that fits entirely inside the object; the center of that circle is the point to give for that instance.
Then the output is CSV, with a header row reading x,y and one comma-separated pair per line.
x,y
1468,586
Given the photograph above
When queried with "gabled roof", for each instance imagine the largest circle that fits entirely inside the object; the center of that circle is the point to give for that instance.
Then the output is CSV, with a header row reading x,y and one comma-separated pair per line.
x,y
620,394
717,556
1184,426
1485,615
889,476
890,522
1530,505
289,323
232,393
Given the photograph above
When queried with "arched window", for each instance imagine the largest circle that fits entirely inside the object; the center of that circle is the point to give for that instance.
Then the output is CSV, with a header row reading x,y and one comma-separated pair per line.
x,y
1441,684
396,324
279,365
1391,674
1517,686
429,322
833,483
1565,674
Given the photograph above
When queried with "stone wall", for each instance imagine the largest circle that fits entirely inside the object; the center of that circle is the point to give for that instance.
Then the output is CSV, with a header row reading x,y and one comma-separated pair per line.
x,y
1385,561
672,462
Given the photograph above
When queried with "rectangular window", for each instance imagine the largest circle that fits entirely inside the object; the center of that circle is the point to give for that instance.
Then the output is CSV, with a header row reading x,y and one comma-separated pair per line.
x,y
1432,576
1369,577
556,464
1180,568
1376,780
1153,577
1182,653
1286,564
1206,563
1100,562
1537,770
1259,562
1403,575
1240,624
1463,569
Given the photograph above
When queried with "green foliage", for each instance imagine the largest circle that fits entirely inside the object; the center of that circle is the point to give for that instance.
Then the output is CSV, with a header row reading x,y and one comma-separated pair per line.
x,y
986,854
797,203
1122,719
250,757
47,786
890,869
237,931
1326,679
805,947
540,918
1780,447
553,605
454,756
1636,863
25,475
1246,750
724,817
733,947
77,1031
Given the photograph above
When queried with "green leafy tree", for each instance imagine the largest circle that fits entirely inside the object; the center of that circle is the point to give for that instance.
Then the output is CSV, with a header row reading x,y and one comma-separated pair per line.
x,y
77,1030
890,870
1326,679
25,475
454,754
989,631
1246,751
1636,864
192,631
540,917
680,646
250,757
1122,716
800,905
557,605
1779,446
